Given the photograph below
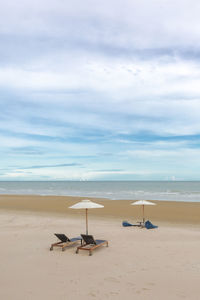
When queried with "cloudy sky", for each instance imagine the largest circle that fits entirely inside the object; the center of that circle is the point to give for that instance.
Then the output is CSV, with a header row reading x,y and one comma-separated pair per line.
x,y
100,90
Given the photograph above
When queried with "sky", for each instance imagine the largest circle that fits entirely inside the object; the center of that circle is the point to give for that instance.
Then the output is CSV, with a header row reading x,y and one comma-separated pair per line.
x,y
100,90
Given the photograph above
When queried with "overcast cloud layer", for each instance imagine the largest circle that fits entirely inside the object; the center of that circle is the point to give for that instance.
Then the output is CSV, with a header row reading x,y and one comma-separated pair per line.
x,y
100,90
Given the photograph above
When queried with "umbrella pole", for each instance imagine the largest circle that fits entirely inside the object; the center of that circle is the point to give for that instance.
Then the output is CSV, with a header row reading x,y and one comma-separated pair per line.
x,y
86,221
143,214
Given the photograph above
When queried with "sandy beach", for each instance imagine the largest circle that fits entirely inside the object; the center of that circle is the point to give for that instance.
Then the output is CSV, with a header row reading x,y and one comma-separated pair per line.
x,y
138,264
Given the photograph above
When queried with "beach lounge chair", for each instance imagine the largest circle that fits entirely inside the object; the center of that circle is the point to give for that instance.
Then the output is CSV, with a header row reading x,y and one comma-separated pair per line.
x,y
127,224
149,225
64,241
90,243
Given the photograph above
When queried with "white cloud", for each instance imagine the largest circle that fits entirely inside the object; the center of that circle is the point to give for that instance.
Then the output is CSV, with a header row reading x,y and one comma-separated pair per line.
x,y
186,154
143,23
82,79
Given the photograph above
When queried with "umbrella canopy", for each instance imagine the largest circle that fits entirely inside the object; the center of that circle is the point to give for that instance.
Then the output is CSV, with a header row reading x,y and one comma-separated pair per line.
x,y
143,203
86,204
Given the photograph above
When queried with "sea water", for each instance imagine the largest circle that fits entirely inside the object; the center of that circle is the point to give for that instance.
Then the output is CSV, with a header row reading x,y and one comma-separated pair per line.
x,y
188,191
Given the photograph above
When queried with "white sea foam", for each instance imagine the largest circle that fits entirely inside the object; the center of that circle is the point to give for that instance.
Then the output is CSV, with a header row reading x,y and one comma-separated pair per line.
x,y
130,190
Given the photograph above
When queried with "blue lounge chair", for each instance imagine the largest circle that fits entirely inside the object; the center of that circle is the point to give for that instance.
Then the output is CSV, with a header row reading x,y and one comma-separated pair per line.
x,y
127,224
149,225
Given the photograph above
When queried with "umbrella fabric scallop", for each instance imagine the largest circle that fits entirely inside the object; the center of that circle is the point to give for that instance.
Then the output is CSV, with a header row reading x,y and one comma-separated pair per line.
x,y
143,203
86,204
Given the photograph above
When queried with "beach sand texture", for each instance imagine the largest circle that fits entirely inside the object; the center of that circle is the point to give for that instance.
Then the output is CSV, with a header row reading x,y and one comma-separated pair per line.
x,y
138,264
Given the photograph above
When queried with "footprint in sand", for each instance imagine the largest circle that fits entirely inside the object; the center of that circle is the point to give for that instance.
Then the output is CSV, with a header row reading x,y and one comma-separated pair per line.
x,y
142,290
150,283
145,289
112,279
92,294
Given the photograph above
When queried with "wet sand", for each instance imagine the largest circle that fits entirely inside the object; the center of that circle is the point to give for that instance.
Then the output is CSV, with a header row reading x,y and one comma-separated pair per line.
x,y
164,211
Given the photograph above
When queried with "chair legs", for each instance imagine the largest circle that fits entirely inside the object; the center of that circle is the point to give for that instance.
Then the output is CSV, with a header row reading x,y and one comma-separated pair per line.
x,y
62,245
91,247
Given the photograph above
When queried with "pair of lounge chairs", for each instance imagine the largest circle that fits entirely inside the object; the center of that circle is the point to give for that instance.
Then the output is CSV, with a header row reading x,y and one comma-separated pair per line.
x,y
87,242
147,225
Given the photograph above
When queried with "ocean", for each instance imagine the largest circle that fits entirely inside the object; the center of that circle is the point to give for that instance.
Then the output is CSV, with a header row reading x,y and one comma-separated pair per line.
x,y
188,191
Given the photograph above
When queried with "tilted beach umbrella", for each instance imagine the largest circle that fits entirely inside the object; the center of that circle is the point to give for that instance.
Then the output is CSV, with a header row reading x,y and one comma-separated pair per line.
x,y
86,204
143,203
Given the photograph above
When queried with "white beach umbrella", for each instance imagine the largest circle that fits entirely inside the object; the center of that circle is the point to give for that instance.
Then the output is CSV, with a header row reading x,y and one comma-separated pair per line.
x,y
86,204
143,203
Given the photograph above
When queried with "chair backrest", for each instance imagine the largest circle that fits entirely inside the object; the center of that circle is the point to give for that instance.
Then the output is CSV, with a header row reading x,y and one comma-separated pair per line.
x,y
88,239
62,237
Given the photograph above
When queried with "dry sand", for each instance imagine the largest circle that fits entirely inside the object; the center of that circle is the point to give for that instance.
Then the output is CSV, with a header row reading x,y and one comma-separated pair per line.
x,y
138,264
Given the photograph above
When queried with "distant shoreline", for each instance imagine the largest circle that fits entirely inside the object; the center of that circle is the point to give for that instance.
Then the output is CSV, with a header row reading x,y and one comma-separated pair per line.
x,y
94,198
